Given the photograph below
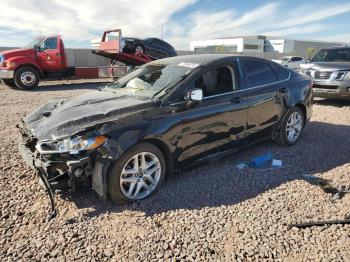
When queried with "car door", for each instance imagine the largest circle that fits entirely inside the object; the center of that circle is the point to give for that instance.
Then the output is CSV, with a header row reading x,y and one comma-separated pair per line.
x,y
156,48
264,97
216,123
49,55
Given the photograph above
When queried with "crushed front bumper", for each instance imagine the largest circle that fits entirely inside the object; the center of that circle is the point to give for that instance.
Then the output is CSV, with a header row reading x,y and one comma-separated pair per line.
x,y
6,74
64,170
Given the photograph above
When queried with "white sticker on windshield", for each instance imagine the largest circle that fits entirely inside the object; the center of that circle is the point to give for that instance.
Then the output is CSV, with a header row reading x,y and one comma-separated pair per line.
x,y
190,65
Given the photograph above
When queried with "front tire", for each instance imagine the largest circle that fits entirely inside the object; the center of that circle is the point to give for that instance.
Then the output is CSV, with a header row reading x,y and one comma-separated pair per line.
x,y
26,78
139,49
137,174
291,128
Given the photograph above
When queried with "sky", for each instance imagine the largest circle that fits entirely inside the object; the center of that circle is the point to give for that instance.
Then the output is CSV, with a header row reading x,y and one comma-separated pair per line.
x,y
183,20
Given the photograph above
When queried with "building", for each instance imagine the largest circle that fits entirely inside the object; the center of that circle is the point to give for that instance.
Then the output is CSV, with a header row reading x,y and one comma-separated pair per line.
x,y
258,44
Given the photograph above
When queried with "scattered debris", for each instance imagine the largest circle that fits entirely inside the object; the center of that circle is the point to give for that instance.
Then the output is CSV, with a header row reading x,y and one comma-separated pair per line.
x,y
265,161
242,166
325,185
321,223
260,161
276,163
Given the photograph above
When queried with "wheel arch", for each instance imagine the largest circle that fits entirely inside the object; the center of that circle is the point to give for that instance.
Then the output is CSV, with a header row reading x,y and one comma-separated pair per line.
x,y
164,148
40,72
303,109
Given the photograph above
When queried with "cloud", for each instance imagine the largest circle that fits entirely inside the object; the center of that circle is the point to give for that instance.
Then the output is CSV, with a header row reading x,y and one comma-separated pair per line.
x,y
79,21
296,30
308,14
269,19
82,20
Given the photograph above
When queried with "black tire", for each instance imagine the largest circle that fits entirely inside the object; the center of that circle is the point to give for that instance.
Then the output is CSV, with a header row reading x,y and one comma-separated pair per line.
x,y
139,49
115,192
26,77
9,82
282,135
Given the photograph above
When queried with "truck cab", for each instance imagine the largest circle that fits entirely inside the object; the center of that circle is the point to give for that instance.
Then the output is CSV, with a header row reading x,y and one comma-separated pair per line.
x,y
44,57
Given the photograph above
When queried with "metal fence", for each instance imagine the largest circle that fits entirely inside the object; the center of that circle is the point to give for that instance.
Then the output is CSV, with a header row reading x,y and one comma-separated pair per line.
x,y
267,55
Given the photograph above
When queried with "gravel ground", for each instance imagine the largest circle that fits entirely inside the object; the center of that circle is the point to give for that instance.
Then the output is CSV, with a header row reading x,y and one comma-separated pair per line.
x,y
213,212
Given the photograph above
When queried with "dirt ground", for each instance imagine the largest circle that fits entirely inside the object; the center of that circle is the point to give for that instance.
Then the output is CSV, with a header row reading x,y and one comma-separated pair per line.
x,y
211,213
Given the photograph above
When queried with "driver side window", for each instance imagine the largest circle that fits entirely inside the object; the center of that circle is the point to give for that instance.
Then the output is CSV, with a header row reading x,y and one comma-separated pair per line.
x,y
217,81
50,43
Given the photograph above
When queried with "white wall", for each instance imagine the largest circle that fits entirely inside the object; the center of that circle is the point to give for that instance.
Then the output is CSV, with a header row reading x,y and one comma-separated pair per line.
x,y
259,42
238,42
281,45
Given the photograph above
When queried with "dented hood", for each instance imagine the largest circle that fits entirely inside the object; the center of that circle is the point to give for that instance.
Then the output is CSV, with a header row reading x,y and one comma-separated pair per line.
x,y
64,118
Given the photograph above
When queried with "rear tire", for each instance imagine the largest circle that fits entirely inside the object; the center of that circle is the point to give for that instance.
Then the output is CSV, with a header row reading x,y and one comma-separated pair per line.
x,y
128,181
291,128
9,82
26,77
139,49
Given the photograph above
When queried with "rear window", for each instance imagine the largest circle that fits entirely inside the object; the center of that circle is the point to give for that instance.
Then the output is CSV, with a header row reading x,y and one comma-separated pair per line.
x,y
258,73
282,72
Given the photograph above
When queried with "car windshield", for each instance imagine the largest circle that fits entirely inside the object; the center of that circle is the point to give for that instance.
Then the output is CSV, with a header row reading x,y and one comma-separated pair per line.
x,y
152,79
285,59
332,55
33,42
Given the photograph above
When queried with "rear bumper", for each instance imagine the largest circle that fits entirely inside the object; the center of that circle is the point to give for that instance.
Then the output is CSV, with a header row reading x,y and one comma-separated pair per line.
x,y
6,74
334,89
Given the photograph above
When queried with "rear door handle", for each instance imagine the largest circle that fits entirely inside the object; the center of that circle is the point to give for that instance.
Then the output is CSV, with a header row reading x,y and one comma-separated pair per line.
x,y
236,100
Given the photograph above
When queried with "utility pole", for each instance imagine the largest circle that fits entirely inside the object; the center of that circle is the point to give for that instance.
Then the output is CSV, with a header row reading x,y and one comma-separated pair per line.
x,y
162,31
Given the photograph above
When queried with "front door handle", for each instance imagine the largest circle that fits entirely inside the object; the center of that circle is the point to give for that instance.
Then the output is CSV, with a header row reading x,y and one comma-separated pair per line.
x,y
236,100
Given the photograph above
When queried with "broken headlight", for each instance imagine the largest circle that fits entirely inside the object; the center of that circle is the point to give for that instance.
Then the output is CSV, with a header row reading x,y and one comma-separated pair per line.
x,y
79,143
73,145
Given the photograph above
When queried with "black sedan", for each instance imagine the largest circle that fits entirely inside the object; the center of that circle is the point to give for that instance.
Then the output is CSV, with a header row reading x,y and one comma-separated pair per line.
x,y
153,47
128,137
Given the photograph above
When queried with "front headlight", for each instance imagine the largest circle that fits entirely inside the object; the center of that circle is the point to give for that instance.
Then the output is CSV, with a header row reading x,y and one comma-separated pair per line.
x,y
345,77
79,143
73,145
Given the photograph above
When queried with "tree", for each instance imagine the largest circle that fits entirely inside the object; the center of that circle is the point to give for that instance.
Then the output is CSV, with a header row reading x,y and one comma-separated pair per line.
x,y
310,52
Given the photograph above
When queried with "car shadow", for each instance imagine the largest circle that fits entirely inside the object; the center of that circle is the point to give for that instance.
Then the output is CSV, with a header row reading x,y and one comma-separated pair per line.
x,y
47,86
220,183
332,102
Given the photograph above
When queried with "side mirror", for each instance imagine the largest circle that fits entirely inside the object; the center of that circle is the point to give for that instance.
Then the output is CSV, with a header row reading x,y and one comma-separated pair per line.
x,y
195,95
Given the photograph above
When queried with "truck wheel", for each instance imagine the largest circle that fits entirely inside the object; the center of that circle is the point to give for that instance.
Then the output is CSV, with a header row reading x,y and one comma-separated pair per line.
x,y
139,49
26,77
137,174
9,82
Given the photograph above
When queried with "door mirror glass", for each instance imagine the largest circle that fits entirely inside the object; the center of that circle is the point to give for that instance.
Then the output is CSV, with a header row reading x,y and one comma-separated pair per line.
x,y
195,95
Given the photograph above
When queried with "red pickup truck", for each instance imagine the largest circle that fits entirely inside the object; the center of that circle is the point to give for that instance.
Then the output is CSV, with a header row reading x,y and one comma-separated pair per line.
x,y
43,58
46,58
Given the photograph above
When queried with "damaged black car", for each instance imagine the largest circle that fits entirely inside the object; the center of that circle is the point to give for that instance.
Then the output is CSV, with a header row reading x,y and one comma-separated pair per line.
x,y
126,138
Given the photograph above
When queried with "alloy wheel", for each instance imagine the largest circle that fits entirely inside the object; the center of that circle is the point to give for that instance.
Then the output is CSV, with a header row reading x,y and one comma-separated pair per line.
x,y
139,49
140,175
294,126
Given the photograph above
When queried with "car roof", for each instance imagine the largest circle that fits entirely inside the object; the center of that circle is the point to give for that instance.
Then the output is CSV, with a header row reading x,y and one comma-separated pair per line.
x,y
203,59
337,47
